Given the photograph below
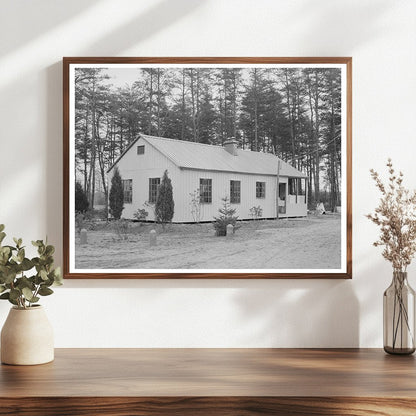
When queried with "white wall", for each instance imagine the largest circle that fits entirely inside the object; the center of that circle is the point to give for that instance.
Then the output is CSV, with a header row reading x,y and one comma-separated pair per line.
x,y
380,35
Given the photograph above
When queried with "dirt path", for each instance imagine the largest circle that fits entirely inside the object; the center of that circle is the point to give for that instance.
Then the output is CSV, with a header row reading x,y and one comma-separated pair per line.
x,y
310,243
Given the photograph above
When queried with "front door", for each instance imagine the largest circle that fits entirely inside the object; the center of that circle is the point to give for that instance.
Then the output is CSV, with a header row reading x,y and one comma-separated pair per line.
x,y
282,198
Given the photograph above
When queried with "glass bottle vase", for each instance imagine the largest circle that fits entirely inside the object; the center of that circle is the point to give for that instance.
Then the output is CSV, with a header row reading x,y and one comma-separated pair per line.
x,y
399,316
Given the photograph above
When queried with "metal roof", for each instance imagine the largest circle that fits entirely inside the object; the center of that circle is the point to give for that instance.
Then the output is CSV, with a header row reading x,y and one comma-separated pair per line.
x,y
191,155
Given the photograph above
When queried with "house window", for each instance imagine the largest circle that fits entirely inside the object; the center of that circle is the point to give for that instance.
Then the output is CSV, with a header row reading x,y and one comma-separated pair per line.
x,y
205,191
128,190
292,186
301,186
140,150
260,189
235,192
154,184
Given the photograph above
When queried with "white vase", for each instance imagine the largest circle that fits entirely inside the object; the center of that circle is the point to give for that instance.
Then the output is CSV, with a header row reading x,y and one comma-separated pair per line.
x,y
27,337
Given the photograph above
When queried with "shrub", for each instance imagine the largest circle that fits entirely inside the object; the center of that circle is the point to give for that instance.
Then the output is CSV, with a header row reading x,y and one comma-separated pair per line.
x,y
141,214
81,200
256,212
116,198
227,216
165,206
196,206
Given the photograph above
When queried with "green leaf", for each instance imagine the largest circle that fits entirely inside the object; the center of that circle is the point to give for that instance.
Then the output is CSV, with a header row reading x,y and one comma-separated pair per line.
x,y
21,255
24,282
1,227
4,255
9,277
26,264
2,236
45,291
43,274
37,280
5,250
28,294
58,280
15,294
2,288
49,250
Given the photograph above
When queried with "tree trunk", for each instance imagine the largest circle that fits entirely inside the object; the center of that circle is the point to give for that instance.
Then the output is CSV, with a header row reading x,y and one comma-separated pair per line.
x,y
256,127
290,114
183,105
158,100
317,149
193,105
150,104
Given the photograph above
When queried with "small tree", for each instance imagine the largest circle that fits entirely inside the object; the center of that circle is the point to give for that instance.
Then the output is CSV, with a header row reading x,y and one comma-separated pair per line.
x,y
196,205
227,216
116,198
81,200
165,206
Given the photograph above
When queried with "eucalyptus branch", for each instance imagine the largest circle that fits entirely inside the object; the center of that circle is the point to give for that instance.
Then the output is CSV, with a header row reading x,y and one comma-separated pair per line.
x,y
16,284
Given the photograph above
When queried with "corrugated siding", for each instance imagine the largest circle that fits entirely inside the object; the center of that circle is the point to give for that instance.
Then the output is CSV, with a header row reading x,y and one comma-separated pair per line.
x,y
220,188
140,168
152,164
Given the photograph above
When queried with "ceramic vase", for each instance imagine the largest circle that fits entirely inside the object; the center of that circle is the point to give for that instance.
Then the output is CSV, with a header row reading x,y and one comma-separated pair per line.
x,y
27,337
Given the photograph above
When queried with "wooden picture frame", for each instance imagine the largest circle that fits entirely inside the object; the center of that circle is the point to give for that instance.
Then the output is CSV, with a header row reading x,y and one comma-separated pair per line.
x,y
299,88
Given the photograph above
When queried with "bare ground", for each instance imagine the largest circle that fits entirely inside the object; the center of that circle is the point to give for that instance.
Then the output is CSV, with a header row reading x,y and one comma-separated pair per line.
x,y
304,243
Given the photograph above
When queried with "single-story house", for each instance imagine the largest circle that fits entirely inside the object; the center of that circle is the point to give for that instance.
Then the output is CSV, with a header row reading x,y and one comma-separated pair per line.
x,y
249,179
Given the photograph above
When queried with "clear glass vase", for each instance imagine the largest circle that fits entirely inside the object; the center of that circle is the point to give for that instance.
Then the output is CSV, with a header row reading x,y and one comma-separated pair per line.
x,y
399,316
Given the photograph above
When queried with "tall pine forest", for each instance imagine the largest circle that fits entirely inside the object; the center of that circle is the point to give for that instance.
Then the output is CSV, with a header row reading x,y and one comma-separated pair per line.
x,y
294,113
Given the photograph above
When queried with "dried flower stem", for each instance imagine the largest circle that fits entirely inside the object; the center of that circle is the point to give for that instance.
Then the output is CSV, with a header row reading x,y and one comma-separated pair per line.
x,y
396,217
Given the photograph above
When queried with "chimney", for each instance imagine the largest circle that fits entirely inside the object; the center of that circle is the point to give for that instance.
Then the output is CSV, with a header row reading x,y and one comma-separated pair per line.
x,y
230,145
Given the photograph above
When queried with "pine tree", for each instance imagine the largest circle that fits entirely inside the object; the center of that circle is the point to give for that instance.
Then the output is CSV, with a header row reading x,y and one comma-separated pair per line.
x,y
165,206
207,119
81,200
227,216
116,198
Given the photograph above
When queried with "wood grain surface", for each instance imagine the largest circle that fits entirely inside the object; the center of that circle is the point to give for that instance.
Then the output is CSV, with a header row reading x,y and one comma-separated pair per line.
x,y
212,381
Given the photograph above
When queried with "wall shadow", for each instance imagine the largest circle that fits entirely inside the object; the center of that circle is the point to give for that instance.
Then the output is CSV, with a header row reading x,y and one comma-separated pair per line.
x,y
157,18
40,15
338,19
301,313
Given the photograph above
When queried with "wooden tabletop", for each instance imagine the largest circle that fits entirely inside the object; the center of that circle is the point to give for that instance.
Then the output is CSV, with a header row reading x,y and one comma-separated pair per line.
x,y
267,376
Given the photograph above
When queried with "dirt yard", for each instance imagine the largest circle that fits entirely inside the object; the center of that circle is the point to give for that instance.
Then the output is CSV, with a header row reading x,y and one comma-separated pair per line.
x,y
303,243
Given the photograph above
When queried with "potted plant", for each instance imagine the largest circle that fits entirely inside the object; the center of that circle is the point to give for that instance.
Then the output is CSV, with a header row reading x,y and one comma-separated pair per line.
x,y
27,336
396,217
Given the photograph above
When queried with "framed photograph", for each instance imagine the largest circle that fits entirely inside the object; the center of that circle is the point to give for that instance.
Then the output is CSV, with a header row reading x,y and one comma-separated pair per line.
x,y
207,168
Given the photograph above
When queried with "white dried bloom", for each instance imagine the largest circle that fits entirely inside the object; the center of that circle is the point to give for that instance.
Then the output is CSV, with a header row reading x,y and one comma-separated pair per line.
x,y
396,217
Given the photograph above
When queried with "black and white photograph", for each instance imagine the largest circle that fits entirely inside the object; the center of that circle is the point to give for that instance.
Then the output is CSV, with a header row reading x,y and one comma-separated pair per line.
x,y
207,168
